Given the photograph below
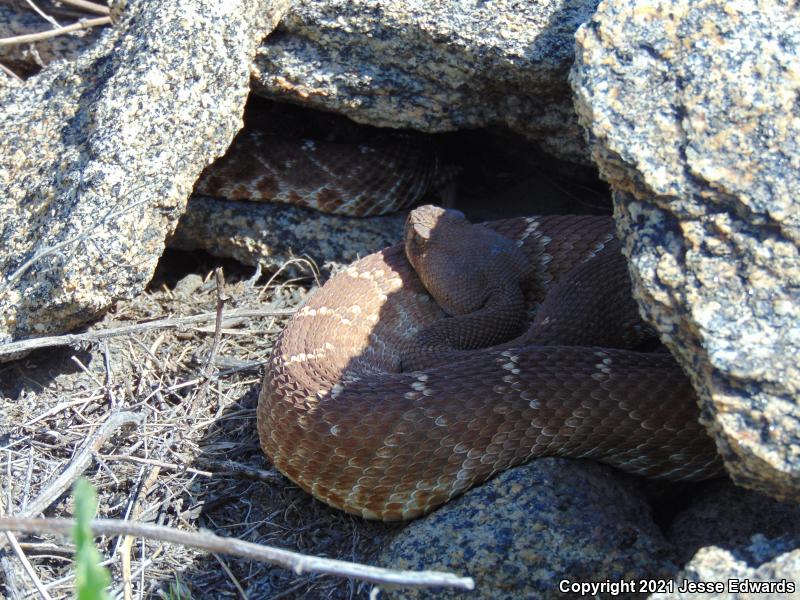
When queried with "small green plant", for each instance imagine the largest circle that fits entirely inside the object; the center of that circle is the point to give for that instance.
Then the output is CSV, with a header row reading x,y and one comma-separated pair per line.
x,y
91,580
177,590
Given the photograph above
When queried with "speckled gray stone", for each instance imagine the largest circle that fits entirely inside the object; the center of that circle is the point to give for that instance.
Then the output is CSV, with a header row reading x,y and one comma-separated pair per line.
x,y
433,65
271,234
773,578
530,527
98,157
730,533
692,116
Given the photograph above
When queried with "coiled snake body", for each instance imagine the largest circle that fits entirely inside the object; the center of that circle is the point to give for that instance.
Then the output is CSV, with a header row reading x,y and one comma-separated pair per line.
x,y
380,403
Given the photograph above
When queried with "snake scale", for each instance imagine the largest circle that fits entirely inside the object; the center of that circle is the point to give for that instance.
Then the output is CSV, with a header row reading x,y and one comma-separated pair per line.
x,y
385,402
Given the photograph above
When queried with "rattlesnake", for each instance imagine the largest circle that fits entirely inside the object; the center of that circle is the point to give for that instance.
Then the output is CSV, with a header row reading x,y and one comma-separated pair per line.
x,y
352,414
378,175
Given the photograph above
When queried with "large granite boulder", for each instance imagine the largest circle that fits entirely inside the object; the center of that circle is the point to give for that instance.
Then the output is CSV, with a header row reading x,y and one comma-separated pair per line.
x,y
535,532
433,66
98,156
692,116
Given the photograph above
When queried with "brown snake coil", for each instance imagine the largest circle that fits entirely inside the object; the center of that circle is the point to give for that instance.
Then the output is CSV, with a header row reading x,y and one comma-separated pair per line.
x,y
340,418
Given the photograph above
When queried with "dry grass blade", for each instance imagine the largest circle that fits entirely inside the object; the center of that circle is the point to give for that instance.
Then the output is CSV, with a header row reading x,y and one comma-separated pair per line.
x,y
125,548
32,6
61,483
299,563
87,6
81,461
26,565
90,337
10,73
202,452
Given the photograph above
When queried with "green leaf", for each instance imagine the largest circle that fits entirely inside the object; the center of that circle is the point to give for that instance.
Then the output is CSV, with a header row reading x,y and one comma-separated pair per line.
x,y
178,590
91,580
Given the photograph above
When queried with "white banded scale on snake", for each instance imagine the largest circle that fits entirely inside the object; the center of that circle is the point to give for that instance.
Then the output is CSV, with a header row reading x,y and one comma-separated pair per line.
x,y
379,403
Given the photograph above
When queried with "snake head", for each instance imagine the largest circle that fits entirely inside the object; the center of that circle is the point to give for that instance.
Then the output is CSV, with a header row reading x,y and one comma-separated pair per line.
x,y
426,224
461,264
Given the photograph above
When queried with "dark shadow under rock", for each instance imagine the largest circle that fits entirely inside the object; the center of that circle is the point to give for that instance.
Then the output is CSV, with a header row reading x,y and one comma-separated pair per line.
x,y
729,517
740,538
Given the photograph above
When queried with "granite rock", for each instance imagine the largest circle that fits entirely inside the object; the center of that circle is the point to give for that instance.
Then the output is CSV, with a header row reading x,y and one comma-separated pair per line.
x,y
742,577
273,234
98,156
523,532
691,114
433,66
727,534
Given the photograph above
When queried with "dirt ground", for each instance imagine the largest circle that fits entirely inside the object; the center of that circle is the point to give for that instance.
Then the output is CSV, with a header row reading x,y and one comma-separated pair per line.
x,y
190,465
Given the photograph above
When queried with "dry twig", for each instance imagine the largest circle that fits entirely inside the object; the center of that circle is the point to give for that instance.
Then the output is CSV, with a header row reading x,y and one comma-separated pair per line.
x,y
204,540
26,565
43,35
221,299
223,468
88,6
151,367
60,484
90,337
81,461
